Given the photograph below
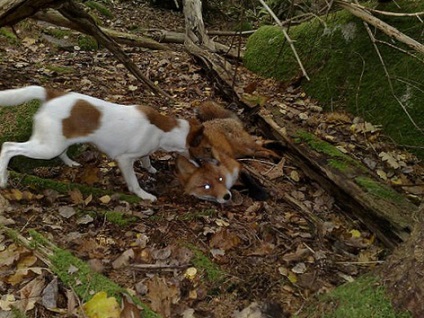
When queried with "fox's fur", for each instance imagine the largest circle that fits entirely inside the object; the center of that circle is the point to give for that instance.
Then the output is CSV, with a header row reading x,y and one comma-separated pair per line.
x,y
214,169
224,132
208,179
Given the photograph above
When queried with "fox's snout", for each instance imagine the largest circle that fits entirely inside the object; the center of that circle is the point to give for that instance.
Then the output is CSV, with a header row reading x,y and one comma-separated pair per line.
x,y
205,182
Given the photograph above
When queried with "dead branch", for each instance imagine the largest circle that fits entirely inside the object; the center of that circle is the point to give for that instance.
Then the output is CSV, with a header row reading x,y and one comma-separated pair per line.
x,y
54,17
379,24
13,11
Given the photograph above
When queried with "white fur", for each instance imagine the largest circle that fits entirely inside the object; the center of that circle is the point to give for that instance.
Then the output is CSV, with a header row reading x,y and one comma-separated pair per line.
x,y
125,134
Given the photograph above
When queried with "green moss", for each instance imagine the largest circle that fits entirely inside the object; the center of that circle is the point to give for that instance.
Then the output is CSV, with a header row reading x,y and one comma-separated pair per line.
x,y
321,146
62,187
87,43
342,166
16,313
120,219
212,271
9,35
58,33
78,275
345,70
364,297
378,189
84,281
60,69
99,8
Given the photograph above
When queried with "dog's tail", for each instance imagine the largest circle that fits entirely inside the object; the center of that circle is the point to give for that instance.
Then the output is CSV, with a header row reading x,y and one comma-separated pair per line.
x,y
13,97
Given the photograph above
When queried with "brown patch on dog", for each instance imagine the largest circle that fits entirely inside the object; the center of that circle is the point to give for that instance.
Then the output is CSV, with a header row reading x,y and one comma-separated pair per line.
x,y
83,120
195,135
53,93
163,122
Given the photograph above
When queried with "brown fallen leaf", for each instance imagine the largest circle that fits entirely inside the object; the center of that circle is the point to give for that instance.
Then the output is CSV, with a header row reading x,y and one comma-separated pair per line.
x,y
224,239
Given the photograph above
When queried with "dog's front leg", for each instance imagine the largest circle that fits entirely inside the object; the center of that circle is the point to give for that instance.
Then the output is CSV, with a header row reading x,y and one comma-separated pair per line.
x,y
127,168
145,162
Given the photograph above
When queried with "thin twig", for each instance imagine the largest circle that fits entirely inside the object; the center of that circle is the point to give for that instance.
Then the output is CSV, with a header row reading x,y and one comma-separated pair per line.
x,y
289,40
162,267
373,40
393,14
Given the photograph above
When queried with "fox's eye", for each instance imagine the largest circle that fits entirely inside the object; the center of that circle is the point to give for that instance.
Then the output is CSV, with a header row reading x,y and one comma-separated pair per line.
x,y
220,179
207,186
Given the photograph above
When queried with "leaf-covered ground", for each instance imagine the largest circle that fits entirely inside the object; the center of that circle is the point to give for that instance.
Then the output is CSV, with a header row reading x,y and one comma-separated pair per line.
x,y
181,256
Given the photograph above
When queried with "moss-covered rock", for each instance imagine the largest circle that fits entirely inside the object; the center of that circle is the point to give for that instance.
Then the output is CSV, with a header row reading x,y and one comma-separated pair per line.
x,y
345,69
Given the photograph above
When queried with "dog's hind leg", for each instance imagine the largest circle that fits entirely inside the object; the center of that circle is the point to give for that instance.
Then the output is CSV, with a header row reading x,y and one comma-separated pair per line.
x,y
145,162
31,149
127,168
68,161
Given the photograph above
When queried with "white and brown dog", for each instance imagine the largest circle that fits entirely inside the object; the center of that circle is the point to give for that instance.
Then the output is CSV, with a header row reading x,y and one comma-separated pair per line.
x,y
124,133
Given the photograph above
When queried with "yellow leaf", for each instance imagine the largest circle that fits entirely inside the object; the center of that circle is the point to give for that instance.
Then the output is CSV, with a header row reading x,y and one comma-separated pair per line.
x,y
16,194
190,273
294,175
355,233
100,306
105,199
292,278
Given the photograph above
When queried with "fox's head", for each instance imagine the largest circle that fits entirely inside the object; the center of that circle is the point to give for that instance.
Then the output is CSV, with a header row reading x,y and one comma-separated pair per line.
x,y
206,181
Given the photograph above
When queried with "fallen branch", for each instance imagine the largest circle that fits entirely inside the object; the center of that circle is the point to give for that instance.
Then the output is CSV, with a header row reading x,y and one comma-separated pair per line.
x,y
381,25
54,17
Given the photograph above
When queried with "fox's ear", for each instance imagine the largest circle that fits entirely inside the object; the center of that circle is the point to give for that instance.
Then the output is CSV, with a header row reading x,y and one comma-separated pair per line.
x,y
196,133
185,168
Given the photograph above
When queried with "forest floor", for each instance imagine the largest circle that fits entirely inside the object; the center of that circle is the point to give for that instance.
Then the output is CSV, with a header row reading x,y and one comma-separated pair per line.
x,y
249,256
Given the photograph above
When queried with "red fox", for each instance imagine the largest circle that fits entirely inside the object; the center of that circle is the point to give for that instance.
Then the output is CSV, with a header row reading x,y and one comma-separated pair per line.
x,y
209,179
224,132
214,171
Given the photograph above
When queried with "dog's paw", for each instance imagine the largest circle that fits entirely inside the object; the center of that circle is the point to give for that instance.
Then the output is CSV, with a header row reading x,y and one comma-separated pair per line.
x,y
149,197
3,179
73,164
152,170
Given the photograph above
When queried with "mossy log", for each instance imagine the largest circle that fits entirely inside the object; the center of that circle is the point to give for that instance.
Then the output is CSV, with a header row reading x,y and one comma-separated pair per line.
x,y
356,190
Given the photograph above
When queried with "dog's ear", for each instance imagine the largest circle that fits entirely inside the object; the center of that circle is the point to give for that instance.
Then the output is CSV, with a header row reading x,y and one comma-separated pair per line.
x,y
185,168
196,133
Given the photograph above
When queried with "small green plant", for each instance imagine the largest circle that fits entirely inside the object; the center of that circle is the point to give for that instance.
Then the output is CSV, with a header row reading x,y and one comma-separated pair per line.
x,y
212,271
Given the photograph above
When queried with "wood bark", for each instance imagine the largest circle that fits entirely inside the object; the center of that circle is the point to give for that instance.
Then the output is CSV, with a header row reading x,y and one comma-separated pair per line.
x,y
14,11
390,219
